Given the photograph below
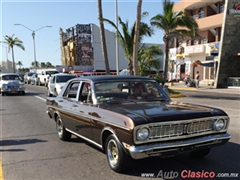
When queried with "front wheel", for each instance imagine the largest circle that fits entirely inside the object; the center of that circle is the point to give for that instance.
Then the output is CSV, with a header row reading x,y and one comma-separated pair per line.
x,y
118,160
49,94
62,133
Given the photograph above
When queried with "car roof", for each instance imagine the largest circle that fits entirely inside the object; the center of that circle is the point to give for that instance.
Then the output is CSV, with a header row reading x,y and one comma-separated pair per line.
x,y
63,75
111,77
9,74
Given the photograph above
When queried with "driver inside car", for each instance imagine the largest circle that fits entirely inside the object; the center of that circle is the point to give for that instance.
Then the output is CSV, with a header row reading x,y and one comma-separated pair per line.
x,y
139,92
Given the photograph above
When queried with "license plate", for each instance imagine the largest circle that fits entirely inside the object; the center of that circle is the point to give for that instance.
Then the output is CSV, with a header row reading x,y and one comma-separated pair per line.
x,y
14,90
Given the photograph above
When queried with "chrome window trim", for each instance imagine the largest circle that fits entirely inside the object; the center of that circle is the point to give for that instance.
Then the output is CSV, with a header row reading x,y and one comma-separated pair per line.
x,y
226,118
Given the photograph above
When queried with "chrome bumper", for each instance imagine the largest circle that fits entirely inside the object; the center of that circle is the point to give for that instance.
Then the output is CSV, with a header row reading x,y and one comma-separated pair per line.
x,y
177,147
13,90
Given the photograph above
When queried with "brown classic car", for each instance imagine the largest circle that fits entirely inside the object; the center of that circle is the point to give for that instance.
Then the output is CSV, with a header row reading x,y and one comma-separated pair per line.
x,y
131,117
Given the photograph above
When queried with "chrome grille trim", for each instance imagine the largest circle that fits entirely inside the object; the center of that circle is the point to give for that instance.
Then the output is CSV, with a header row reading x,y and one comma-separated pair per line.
x,y
173,130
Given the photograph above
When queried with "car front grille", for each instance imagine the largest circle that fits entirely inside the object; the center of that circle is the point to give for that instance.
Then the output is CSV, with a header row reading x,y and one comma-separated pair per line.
x,y
12,87
175,130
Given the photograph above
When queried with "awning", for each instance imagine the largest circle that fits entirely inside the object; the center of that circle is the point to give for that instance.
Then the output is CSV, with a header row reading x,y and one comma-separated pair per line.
x,y
207,64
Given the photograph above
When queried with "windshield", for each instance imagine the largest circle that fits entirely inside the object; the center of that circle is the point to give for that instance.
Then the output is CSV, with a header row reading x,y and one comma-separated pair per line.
x,y
52,72
30,74
60,79
131,90
10,77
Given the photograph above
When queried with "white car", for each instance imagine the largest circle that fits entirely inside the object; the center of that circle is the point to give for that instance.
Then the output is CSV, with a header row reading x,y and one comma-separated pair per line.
x,y
11,83
56,83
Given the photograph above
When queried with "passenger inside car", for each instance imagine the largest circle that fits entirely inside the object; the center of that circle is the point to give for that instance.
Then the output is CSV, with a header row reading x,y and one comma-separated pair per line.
x,y
138,92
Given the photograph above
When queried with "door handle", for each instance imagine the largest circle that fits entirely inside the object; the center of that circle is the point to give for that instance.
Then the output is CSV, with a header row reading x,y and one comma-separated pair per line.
x,y
74,105
60,100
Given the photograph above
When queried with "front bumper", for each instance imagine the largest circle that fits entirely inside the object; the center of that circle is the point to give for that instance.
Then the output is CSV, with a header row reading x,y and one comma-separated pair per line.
x,y
177,147
13,90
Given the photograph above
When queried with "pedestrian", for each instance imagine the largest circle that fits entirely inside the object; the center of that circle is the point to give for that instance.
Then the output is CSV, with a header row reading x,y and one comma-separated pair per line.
x,y
197,79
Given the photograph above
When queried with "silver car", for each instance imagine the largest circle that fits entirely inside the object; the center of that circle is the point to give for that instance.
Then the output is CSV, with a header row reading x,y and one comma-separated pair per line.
x,y
11,83
56,83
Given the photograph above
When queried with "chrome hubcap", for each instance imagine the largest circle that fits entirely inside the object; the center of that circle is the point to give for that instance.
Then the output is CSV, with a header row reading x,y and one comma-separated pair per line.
x,y
59,127
112,151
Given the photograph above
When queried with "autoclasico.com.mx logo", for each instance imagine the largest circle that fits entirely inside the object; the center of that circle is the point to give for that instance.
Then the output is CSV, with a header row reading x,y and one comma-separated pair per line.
x,y
187,174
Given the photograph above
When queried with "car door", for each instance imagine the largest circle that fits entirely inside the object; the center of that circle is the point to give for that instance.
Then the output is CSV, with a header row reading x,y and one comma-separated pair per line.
x,y
80,111
52,84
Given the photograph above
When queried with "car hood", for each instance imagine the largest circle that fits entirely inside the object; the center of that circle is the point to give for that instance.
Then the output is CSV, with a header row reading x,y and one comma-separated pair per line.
x,y
12,82
142,113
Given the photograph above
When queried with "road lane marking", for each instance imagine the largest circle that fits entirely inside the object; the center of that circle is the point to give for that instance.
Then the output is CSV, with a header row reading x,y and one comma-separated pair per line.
x,y
40,98
1,172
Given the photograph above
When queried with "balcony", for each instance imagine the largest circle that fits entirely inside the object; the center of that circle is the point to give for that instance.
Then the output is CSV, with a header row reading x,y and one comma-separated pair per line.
x,y
192,4
210,22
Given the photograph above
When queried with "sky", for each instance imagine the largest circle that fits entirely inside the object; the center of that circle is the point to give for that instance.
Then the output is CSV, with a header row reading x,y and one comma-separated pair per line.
x,y
62,14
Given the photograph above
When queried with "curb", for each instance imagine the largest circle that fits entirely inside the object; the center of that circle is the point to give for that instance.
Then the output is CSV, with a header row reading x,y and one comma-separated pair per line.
x,y
175,95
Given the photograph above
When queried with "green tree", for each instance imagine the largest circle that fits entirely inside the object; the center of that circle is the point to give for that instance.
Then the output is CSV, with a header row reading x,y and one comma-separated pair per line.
x,y
103,38
49,65
127,37
43,65
175,25
148,59
12,41
33,64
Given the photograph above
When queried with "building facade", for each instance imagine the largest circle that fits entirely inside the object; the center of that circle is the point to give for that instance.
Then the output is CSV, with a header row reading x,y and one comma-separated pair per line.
x,y
81,48
6,66
216,52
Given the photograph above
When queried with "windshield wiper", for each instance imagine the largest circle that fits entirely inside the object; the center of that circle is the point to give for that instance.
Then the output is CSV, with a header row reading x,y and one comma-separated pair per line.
x,y
156,99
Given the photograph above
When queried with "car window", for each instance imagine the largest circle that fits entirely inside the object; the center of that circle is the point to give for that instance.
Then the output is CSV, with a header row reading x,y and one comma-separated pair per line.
x,y
85,93
10,77
61,79
125,90
71,91
51,72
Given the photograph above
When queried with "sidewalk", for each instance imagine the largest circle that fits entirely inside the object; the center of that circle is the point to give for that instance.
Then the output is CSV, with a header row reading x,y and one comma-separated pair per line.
x,y
181,86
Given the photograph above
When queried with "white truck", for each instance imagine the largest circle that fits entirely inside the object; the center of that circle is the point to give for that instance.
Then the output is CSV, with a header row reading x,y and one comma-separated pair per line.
x,y
44,74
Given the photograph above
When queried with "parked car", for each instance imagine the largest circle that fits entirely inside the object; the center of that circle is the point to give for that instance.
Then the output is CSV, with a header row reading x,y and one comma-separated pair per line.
x,y
27,77
34,80
11,83
44,75
56,83
131,117
21,76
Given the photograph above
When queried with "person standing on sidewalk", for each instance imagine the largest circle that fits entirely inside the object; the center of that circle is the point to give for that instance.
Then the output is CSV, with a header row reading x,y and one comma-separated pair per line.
x,y
197,78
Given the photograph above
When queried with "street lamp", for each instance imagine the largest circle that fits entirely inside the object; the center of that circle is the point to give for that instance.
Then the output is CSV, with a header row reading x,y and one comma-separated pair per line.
x,y
117,56
33,35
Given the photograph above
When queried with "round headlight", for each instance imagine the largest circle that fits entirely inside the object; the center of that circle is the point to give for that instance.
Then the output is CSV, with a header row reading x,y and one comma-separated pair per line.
x,y
143,134
219,124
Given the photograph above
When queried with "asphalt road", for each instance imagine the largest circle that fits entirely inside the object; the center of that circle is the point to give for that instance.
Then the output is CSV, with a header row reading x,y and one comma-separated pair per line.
x,y
31,149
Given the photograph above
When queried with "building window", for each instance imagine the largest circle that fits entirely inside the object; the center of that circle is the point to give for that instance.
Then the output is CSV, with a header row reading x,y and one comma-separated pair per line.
x,y
201,13
221,7
204,40
194,42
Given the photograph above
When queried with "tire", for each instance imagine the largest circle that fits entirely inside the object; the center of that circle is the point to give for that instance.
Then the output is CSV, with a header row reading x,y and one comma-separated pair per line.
x,y
49,94
117,159
23,93
61,131
3,94
200,153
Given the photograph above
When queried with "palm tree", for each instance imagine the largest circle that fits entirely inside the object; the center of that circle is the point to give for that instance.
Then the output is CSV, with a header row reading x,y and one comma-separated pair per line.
x,y
175,25
127,37
148,60
19,63
103,38
33,64
12,41
136,37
